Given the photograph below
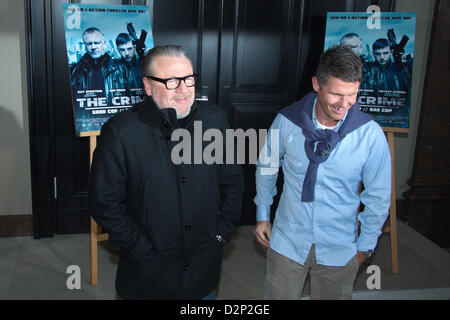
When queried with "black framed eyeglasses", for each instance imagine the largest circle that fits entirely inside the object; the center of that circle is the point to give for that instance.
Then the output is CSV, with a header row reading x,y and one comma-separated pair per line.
x,y
173,83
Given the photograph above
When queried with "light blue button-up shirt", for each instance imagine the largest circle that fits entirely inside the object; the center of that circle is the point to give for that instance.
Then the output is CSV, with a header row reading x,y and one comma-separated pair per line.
x,y
330,221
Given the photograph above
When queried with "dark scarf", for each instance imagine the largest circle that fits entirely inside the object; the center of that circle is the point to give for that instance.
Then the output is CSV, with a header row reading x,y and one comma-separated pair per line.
x,y
319,143
170,114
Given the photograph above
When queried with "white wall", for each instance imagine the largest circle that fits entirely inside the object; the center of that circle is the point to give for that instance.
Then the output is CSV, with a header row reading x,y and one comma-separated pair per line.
x,y
405,144
15,178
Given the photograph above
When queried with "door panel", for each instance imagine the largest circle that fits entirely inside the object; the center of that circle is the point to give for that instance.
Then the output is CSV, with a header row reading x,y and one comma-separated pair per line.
x,y
71,152
258,70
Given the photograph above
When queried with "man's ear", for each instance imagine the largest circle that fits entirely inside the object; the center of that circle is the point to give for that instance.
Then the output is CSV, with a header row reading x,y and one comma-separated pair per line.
x,y
147,87
315,83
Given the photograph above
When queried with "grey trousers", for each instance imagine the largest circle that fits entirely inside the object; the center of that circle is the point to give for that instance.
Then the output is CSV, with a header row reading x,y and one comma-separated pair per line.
x,y
285,278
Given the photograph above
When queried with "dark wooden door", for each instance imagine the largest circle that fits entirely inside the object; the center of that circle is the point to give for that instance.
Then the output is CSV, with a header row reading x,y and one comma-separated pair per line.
x,y
253,57
258,70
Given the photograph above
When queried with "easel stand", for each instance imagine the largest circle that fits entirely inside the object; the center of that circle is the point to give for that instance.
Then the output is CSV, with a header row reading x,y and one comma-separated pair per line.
x,y
392,228
95,230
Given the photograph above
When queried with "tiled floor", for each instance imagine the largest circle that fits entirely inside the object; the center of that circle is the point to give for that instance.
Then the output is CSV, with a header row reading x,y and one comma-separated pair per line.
x,y
36,269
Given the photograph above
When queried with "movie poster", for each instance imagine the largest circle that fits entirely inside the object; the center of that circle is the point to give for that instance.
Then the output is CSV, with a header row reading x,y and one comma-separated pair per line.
x,y
105,45
385,43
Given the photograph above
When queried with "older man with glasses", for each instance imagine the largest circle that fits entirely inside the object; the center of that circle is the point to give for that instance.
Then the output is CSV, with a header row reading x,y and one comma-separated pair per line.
x,y
170,221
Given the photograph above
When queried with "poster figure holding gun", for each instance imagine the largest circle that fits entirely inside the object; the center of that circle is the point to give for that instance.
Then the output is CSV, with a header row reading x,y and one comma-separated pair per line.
x,y
138,43
398,50
132,50
392,69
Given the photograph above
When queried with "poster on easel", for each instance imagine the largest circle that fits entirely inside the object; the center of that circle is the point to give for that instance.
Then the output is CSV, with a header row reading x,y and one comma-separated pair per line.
x,y
105,45
385,43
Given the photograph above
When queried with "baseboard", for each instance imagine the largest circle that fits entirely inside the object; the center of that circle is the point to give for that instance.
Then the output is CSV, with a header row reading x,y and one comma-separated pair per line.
x,y
16,225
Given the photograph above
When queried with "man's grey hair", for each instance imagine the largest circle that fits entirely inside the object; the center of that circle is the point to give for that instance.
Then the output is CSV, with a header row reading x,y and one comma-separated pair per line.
x,y
340,62
170,50
349,36
92,30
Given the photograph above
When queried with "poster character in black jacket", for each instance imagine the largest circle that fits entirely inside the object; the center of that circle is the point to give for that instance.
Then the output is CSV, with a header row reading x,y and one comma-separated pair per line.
x,y
169,220
387,73
97,74
130,61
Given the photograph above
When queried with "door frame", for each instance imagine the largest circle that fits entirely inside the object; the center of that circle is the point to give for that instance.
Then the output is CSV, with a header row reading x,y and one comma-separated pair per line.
x,y
39,66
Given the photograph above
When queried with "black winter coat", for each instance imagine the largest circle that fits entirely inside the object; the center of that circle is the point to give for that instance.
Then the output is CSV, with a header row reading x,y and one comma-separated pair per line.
x,y
164,217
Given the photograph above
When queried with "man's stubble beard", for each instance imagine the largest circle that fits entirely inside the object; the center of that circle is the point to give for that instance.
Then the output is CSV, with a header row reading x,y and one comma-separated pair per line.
x,y
183,115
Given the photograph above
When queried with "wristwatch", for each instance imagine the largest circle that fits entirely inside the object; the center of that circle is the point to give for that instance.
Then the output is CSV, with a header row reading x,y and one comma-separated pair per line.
x,y
220,238
367,254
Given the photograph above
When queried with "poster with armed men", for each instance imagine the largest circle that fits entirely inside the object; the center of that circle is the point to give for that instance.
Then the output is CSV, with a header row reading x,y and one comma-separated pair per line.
x,y
385,43
105,45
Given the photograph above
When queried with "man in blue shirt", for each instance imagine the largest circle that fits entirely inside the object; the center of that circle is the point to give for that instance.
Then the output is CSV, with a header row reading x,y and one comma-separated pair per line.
x,y
326,146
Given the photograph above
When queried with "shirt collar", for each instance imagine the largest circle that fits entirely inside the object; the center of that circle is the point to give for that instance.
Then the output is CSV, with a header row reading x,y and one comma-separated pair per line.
x,y
317,124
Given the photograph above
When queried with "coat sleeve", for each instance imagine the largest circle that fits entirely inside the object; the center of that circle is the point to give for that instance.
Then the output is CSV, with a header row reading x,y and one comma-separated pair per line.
x,y
231,181
108,196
